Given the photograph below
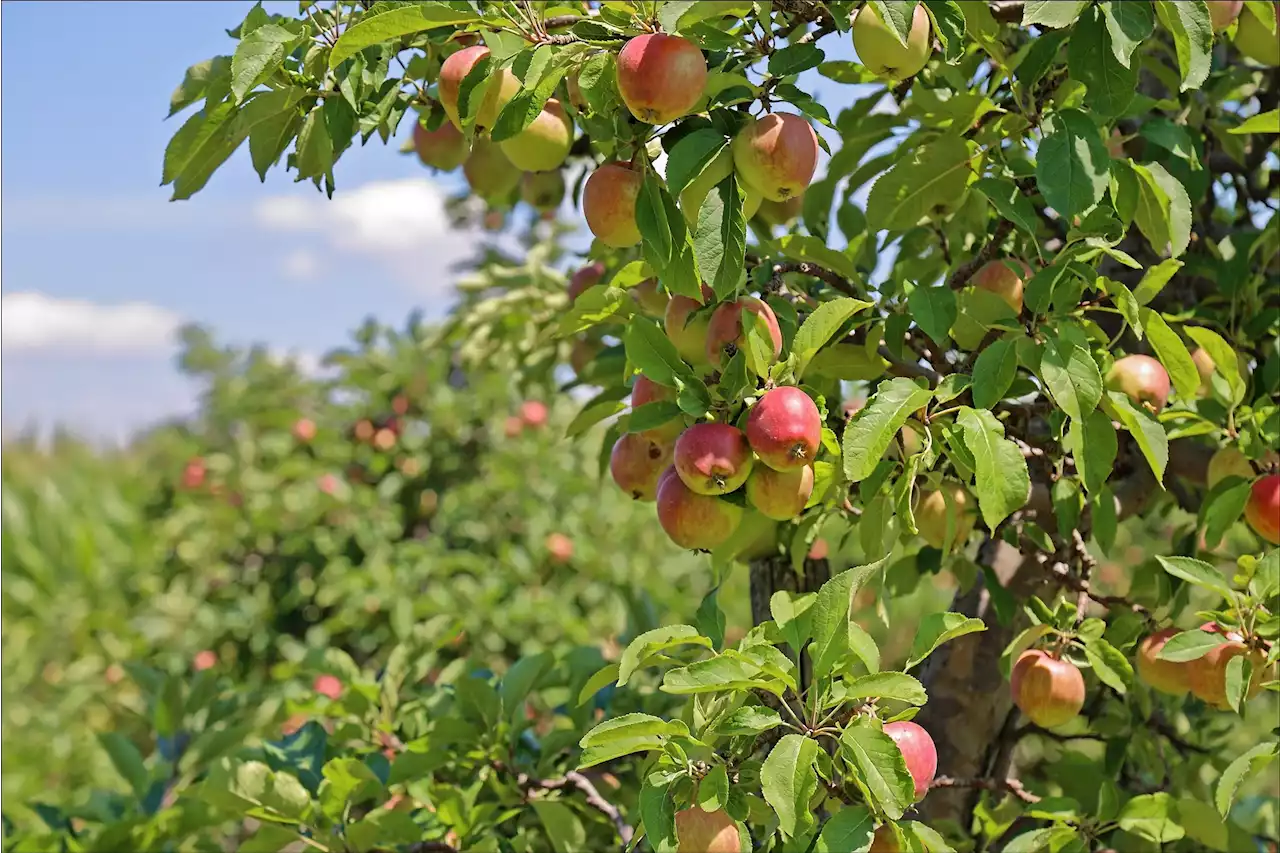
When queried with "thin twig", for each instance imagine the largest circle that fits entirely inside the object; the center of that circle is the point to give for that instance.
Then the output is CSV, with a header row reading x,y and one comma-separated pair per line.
x,y
1012,786
594,799
836,280
966,270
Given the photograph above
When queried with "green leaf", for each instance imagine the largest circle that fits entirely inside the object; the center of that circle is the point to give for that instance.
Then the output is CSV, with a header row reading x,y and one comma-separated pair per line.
x,y
1040,840
994,371
650,350
651,217
1224,358
1251,762
564,830
1238,675
848,829
818,328
1019,644
788,780
1154,280
804,247
728,671
1001,480
748,720
1145,428
720,237
1266,576
315,146
521,678
1192,38
259,55
867,436
1009,202
886,685
1164,209
1091,440
625,735
934,310
594,413
1069,371
795,58
601,679
271,837
949,26
1072,165
938,628
398,21
127,761
1152,816
1196,572
713,790
653,415
1268,122
654,642
1052,13
202,144
270,136
1223,507
1109,664
1172,354
193,86
1129,24
829,616
691,155
928,182
1189,645
1111,83
880,767
382,828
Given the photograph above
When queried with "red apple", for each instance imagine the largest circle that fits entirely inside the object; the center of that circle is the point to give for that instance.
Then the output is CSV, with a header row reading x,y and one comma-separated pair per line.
x,y
1000,278
713,458
544,144
193,474
1164,675
819,549
1207,675
559,548
1143,379
444,148
455,69
327,483
1263,509
327,685
725,328
533,413
636,463
645,391
1050,690
699,522
206,659
585,278
660,77
776,155
1204,366
780,495
785,429
304,429
512,426
918,750
609,204
1222,13
706,832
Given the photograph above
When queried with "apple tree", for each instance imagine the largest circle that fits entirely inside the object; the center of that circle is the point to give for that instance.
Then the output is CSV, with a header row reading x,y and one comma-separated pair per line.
x,y
1018,298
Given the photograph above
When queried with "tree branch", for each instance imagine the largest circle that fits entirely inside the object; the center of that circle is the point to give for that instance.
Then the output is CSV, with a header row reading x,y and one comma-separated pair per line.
x,y
966,270
1011,786
836,280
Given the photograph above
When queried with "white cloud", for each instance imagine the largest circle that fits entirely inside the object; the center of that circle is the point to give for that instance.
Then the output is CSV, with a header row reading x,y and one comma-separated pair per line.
x,y
35,321
300,264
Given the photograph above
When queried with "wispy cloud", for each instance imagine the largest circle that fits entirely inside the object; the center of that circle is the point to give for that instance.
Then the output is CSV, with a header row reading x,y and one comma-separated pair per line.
x,y
36,321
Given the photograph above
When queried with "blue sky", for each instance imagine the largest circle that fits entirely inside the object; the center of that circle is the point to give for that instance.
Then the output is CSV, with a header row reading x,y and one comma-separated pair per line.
x,y
98,267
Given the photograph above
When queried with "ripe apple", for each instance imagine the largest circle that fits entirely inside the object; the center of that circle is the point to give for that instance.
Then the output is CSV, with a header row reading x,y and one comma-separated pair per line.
x,y
1000,278
706,832
884,841
400,404
533,413
193,473
1223,12
327,483
695,192
585,278
206,659
645,390
652,299
1263,509
1207,675
785,428
1142,378
384,440
1204,366
455,69
879,49
1255,41
776,213
444,148
582,353
327,685
686,332
1228,462
931,516
609,204
713,458
512,426
699,522
819,549
918,750
636,463
776,155
542,190
1164,675
559,548
490,174
725,328
544,144
780,495
1050,690
660,77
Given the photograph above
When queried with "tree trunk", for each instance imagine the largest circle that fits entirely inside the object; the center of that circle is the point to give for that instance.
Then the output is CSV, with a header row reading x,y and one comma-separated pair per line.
x,y
775,573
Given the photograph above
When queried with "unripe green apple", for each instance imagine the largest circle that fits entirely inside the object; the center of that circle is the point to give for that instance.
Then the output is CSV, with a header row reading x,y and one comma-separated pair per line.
x,y
695,192
698,522
444,148
687,332
542,190
881,52
651,298
454,71
489,172
1204,366
780,495
776,155
776,213
931,516
1050,691
1255,41
545,143
660,77
609,204
1143,379
1228,462
706,832
1164,675
713,458
726,328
